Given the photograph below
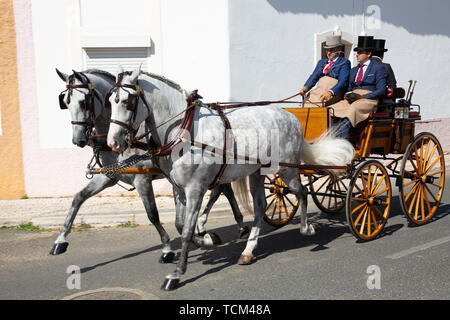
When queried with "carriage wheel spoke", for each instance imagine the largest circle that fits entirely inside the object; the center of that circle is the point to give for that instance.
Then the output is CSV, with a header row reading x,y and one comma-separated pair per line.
x,y
416,211
426,200
374,219
375,176
267,208
285,208
414,198
430,156
363,223
358,207
411,191
321,186
431,193
411,161
432,165
380,192
380,214
359,217
435,173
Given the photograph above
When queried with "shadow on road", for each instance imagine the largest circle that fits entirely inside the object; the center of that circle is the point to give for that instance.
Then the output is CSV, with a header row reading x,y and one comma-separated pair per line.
x,y
273,240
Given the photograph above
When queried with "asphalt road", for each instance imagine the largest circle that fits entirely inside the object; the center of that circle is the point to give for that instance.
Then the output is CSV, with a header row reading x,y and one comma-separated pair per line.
x,y
411,262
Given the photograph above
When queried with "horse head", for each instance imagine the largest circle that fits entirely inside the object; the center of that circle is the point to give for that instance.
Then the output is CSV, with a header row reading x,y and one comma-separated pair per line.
x,y
79,98
125,100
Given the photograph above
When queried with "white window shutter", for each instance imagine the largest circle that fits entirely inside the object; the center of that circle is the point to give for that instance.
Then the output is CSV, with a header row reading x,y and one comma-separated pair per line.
x,y
108,59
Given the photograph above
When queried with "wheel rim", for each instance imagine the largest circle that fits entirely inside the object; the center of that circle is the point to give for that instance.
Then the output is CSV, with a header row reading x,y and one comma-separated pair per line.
x,y
281,204
368,200
422,178
332,187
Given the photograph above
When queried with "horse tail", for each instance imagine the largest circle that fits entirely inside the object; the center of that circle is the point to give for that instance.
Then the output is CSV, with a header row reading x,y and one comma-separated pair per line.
x,y
241,189
327,150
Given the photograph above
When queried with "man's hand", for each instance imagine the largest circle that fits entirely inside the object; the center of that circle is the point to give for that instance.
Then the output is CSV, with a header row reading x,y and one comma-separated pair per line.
x,y
352,97
326,96
303,91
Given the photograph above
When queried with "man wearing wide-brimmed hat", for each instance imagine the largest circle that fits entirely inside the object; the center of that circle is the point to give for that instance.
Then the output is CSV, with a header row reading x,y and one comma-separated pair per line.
x,y
330,77
367,84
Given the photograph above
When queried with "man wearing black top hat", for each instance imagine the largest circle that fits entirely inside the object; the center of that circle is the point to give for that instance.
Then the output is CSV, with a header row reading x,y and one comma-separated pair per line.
x,y
378,57
367,84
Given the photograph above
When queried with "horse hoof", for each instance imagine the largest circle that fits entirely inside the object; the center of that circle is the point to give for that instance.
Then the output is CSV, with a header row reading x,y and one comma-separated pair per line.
x,y
308,231
170,284
215,238
244,232
59,248
167,257
245,259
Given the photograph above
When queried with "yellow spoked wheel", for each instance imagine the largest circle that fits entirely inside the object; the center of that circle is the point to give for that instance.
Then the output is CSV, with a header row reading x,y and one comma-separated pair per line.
x,y
368,200
281,204
422,178
328,192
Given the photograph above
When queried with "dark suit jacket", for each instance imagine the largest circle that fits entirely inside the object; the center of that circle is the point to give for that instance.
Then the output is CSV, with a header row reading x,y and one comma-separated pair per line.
x,y
339,70
374,80
390,79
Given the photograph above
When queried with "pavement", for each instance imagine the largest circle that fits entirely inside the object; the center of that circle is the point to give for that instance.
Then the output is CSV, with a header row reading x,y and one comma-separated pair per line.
x,y
97,211
101,211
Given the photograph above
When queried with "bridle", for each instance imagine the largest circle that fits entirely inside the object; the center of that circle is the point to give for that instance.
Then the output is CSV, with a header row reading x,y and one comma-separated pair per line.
x,y
88,101
132,103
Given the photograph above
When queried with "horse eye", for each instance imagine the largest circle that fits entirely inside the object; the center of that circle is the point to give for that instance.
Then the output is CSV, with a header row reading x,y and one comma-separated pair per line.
x,y
83,104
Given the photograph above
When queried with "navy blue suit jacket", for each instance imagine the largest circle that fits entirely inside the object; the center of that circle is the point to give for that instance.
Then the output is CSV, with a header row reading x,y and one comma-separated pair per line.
x,y
374,80
339,70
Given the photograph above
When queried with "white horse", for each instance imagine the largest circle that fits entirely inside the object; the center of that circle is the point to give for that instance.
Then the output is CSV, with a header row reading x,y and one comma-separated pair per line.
x,y
192,172
84,97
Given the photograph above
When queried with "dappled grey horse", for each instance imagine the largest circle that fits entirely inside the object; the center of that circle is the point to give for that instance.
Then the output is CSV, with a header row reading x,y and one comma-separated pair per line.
x,y
188,154
84,97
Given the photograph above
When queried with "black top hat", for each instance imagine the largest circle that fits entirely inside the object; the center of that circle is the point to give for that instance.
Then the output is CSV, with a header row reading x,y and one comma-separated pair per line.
x,y
365,43
379,45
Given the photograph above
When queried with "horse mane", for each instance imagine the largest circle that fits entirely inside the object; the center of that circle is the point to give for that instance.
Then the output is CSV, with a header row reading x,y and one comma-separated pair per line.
x,y
101,72
169,82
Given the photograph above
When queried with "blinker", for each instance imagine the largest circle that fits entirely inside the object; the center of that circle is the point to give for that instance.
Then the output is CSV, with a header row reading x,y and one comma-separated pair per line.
x,y
62,105
131,102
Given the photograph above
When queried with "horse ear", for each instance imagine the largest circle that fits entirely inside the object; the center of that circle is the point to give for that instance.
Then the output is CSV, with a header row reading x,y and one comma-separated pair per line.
x,y
119,70
134,76
64,77
78,76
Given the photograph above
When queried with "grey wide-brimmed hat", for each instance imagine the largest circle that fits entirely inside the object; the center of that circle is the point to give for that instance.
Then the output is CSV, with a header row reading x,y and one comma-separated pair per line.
x,y
333,42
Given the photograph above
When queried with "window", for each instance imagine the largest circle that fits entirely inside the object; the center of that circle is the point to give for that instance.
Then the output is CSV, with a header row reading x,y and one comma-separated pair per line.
x,y
108,59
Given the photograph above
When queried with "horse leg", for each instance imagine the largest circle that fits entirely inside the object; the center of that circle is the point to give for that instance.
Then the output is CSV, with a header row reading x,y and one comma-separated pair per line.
x,y
228,192
180,209
193,204
259,205
209,239
292,180
144,187
96,185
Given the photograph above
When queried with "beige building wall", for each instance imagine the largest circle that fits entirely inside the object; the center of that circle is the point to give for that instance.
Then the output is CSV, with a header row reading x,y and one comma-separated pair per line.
x,y
11,164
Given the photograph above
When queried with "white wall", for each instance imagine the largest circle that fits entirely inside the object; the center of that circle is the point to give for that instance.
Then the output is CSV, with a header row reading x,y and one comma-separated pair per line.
x,y
195,46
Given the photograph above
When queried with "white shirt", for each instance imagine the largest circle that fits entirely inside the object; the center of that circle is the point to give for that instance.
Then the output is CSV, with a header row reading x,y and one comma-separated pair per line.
x,y
366,64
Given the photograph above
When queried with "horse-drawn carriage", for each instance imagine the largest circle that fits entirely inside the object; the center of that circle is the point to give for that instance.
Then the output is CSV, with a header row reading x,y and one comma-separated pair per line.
x,y
363,186
385,147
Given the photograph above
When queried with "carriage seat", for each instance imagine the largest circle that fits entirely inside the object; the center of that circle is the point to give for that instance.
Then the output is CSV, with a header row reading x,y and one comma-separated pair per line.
x,y
385,106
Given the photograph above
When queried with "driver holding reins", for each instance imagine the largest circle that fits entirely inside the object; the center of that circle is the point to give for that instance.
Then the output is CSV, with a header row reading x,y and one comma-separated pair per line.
x,y
330,77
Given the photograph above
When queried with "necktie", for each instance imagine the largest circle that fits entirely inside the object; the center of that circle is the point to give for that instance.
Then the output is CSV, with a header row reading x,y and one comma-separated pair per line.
x,y
360,75
328,68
